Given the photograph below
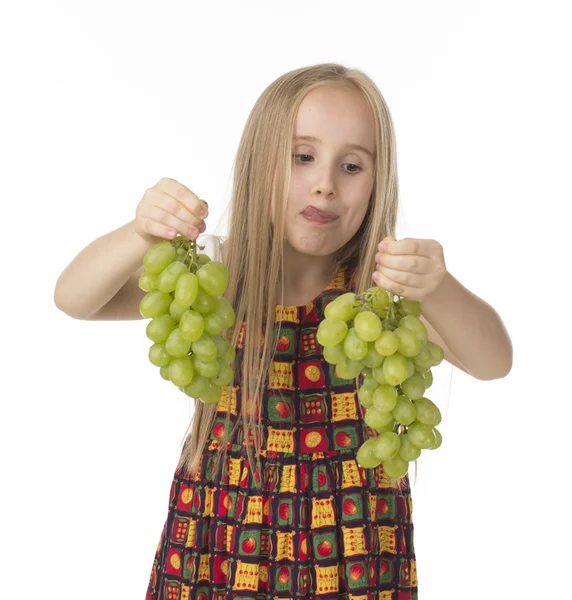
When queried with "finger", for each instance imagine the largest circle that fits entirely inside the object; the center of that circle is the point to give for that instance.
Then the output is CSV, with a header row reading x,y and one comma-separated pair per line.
x,y
404,262
169,224
410,246
196,206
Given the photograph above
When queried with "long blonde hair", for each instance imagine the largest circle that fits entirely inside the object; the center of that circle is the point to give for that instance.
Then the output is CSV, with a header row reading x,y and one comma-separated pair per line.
x,y
254,247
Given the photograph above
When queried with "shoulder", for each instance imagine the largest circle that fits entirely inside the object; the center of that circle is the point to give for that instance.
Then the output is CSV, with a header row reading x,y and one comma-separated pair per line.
x,y
213,246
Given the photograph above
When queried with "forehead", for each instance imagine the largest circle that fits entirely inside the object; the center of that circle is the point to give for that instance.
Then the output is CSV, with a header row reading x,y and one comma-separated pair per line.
x,y
336,116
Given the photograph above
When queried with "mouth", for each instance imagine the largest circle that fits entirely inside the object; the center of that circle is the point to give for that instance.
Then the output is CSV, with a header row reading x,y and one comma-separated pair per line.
x,y
311,213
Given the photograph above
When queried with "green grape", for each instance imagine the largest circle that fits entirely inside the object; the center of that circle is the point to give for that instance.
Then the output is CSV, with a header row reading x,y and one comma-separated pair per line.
x,y
159,256
148,282
395,369
213,324
385,398
204,349
221,344
367,325
181,371
176,311
411,307
365,397
395,467
203,302
425,357
342,308
414,386
387,343
176,345
410,368
213,278
164,372
224,376
365,455
438,439
225,311
378,375
191,325
203,259
428,412
421,435
334,354
378,420
354,347
380,299
212,395
206,369
159,328
197,387
369,382
414,324
372,359
186,289
229,355
408,451
428,377
159,356
387,445
167,279
348,369
404,411
331,332
437,353
154,303
408,343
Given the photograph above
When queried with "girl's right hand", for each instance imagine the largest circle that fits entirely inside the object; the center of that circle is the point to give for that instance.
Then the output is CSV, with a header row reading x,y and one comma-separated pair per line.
x,y
169,208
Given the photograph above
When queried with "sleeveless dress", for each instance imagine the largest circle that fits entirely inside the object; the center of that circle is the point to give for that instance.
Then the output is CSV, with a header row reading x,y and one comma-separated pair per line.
x,y
318,526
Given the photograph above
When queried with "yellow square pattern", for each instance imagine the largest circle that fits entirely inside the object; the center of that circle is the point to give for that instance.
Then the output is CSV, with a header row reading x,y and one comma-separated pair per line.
x,y
286,313
344,406
350,474
191,534
288,479
234,469
354,541
209,496
285,545
387,539
413,564
322,512
281,376
228,395
228,540
280,440
385,596
327,579
185,592
254,510
204,570
246,576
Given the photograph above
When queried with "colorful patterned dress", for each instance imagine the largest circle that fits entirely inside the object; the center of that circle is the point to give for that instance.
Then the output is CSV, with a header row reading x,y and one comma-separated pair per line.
x,y
318,526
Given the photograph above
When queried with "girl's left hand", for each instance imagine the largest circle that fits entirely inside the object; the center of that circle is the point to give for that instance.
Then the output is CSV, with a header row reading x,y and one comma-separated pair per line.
x,y
410,268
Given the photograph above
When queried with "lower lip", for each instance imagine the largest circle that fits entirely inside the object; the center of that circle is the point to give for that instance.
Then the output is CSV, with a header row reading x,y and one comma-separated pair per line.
x,y
317,219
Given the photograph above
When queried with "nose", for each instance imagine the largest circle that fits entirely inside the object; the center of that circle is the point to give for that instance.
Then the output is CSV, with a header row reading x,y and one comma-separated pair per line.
x,y
325,184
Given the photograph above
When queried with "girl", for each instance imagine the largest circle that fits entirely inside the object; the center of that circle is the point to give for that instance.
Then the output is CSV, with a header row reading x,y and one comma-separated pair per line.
x,y
268,500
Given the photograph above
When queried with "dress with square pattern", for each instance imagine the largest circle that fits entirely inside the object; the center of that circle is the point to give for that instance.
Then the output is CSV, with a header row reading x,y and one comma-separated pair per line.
x,y
316,524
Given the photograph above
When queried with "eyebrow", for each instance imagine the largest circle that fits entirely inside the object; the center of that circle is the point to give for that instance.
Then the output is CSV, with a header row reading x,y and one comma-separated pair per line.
x,y
311,138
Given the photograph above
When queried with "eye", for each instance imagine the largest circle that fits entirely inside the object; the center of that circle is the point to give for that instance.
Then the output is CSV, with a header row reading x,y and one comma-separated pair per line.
x,y
358,168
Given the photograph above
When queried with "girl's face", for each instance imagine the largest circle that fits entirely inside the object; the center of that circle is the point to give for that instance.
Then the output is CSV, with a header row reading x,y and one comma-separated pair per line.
x,y
327,172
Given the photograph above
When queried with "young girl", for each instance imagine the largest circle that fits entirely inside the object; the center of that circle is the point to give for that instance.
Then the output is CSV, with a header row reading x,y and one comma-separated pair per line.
x,y
268,499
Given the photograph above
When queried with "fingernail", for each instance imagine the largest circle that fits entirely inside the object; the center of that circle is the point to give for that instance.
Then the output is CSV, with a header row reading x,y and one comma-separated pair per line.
x,y
202,227
193,234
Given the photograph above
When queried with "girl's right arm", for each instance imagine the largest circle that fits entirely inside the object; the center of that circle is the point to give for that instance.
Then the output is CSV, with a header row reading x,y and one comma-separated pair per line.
x,y
102,281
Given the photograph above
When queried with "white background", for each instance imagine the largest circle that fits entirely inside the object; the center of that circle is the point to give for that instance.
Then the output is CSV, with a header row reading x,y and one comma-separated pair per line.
x,y
100,100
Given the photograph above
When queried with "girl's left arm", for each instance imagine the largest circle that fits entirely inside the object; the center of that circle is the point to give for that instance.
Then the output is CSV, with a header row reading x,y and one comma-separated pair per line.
x,y
471,329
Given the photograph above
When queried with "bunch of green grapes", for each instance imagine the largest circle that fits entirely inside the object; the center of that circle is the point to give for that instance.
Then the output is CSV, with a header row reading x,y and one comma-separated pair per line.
x,y
188,314
386,342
